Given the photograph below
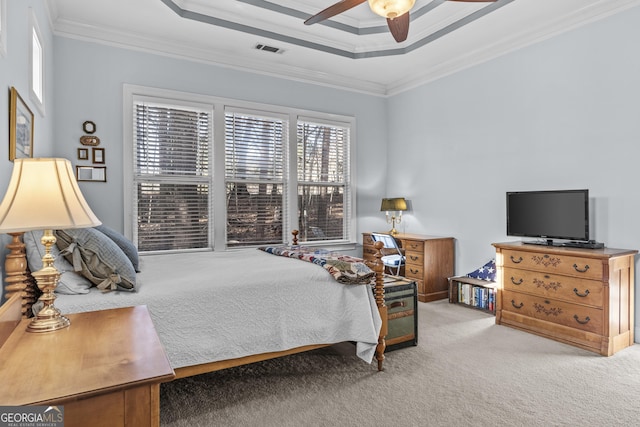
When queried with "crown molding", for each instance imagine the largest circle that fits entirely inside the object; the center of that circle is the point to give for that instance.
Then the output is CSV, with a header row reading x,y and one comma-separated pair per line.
x,y
528,36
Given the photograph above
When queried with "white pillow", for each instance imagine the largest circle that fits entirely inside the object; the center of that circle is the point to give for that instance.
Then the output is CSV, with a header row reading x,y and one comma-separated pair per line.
x,y
70,282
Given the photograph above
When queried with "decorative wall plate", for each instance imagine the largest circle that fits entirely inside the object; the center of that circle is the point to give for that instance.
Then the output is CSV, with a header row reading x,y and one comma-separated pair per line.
x,y
89,140
89,127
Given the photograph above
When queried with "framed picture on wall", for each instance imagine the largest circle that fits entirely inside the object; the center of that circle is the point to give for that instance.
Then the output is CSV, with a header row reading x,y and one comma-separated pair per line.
x,y
83,154
20,127
97,155
91,173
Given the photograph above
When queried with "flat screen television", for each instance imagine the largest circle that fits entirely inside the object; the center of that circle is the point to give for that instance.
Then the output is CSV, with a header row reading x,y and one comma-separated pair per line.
x,y
557,214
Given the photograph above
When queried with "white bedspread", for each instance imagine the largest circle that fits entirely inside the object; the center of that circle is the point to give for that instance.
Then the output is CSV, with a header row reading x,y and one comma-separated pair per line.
x,y
210,306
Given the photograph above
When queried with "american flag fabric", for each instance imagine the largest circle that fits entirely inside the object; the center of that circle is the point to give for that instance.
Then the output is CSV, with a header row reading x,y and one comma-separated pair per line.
x,y
486,272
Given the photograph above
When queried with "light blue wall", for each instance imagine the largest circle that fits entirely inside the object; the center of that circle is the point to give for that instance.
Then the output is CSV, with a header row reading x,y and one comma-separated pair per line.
x,y
89,80
15,71
560,114
563,113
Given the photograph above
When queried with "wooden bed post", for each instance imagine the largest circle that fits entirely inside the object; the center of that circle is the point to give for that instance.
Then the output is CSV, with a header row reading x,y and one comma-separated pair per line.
x,y
19,280
378,292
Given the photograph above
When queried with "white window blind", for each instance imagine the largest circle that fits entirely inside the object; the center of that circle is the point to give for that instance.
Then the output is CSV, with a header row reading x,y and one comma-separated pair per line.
x,y
172,145
324,192
255,177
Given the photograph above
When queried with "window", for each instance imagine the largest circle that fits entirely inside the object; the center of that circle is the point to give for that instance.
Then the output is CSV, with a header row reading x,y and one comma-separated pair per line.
x,y
217,173
3,27
254,177
323,171
36,62
172,179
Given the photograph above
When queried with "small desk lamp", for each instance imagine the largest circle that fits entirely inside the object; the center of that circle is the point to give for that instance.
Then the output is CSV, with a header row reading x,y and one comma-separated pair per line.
x,y
396,206
43,195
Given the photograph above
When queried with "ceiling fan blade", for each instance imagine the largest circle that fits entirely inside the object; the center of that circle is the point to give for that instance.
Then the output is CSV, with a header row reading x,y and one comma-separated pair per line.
x,y
331,11
399,27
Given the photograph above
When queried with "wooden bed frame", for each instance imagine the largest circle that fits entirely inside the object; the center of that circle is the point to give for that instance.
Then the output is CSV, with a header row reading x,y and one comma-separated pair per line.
x,y
20,282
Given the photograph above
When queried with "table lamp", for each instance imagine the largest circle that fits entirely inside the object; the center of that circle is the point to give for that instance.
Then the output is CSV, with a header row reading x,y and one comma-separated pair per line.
x,y
43,195
395,206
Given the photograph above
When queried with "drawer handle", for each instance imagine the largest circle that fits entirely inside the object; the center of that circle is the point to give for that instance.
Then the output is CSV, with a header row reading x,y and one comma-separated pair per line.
x,y
586,293
413,258
513,303
584,270
518,261
414,271
582,322
519,282
397,304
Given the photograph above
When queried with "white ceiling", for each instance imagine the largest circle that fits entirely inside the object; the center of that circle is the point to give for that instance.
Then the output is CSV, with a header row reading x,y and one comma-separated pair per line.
x,y
353,50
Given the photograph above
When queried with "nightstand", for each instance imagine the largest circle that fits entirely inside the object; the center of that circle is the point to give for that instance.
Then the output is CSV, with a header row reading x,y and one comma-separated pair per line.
x,y
105,369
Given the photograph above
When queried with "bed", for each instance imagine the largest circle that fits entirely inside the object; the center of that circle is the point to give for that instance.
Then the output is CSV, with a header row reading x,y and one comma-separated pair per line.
x,y
212,311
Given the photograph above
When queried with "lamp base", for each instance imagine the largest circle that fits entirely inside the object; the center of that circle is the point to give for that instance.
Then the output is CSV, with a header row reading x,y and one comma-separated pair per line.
x,y
50,321
48,318
393,231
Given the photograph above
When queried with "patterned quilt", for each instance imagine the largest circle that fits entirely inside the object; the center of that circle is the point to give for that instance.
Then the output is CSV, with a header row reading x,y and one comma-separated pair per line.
x,y
344,268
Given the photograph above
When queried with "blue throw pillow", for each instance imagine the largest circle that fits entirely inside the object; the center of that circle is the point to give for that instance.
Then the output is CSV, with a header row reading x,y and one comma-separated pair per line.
x,y
97,258
125,244
486,272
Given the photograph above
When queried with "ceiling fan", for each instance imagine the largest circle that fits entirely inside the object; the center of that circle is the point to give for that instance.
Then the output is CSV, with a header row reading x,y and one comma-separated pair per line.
x,y
396,12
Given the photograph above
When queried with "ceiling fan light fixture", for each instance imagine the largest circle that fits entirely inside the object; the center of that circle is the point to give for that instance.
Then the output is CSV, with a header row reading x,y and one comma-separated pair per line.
x,y
391,8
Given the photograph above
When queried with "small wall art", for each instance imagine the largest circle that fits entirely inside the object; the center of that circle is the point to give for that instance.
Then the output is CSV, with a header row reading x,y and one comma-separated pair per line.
x,y
83,154
97,155
20,127
91,173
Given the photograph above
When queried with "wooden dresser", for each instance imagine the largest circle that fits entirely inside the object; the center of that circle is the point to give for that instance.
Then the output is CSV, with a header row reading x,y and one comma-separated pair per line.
x,y
429,261
105,369
582,297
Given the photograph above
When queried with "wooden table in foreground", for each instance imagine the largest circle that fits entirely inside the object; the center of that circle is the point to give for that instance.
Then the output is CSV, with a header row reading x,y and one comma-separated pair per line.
x,y
105,369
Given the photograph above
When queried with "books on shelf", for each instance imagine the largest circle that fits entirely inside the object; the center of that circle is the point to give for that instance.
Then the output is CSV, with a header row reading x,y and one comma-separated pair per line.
x,y
477,296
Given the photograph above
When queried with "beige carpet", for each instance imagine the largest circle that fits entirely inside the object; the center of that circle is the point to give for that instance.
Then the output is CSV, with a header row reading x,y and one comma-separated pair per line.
x,y
466,371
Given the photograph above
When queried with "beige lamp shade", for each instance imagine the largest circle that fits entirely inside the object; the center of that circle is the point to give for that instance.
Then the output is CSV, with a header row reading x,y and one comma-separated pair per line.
x,y
395,204
43,194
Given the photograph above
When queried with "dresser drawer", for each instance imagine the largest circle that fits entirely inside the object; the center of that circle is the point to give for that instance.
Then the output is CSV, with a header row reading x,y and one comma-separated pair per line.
x,y
414,258
554,263
368,253
566,288
413,246
367,240
575,316
414,271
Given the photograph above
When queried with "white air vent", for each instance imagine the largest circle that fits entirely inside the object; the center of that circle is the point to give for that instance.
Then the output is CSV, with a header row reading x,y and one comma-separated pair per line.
x,y
269,48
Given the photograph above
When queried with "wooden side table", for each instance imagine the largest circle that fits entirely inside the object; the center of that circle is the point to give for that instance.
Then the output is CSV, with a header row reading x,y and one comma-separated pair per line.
x,y
105,369
429,262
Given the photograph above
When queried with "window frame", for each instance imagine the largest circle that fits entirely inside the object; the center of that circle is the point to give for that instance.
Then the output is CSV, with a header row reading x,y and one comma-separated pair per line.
x,y
284,181
348,206
3,28
218,210
37,67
